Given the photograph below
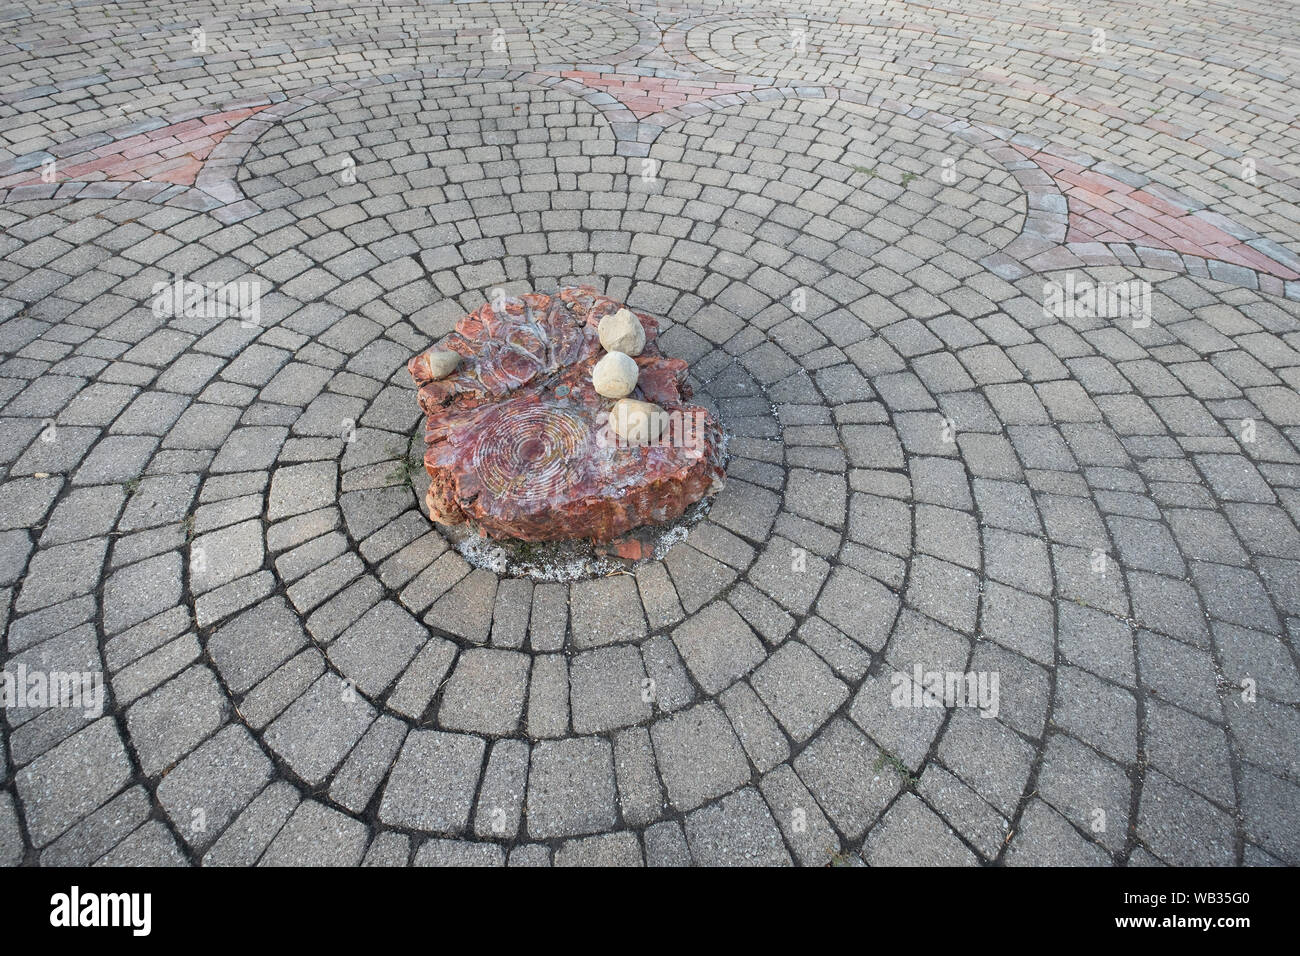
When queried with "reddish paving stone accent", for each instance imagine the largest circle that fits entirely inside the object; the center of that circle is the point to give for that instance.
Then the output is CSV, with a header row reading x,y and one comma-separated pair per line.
x,y
647,95
169,154
1104,210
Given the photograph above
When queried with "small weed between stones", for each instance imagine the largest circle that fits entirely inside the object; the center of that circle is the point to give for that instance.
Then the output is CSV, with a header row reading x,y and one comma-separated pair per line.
x,y
405,469
900,768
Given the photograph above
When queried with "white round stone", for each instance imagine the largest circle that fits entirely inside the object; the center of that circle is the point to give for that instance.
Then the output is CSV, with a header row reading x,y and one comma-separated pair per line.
x,y
622,332
615,375
637,423
442,362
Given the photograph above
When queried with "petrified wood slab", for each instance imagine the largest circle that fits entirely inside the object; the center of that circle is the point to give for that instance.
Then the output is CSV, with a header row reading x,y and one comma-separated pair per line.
x,y
518,439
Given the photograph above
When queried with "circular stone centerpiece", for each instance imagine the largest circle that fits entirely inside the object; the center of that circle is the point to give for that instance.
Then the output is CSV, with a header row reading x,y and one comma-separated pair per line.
x,y
520,442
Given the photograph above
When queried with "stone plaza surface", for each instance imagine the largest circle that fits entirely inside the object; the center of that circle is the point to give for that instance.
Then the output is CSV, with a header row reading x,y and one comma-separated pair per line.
x,y
847,217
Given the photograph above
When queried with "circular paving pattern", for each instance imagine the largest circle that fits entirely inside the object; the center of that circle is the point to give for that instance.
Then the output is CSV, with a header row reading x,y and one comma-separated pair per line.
x,y
1090,513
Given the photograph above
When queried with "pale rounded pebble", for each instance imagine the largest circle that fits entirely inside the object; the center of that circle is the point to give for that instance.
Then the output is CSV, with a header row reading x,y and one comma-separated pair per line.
x,y
615,375
442,362
637,423
622,332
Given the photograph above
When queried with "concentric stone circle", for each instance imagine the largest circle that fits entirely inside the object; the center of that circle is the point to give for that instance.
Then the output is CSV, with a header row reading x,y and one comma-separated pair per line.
x,y
929,470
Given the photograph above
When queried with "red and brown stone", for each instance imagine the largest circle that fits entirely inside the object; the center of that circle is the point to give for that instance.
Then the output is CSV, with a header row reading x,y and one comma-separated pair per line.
x,y
517,436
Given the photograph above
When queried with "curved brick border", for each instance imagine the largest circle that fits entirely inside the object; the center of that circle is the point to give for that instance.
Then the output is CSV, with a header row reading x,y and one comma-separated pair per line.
x,y
215,187
674,42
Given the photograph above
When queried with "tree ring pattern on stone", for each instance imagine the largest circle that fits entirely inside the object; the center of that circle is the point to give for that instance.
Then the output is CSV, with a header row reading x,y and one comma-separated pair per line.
x,y
527,452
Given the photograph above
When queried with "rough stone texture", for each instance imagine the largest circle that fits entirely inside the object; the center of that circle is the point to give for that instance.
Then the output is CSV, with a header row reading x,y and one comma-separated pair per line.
x,y
514,436
571,788
317,835
431,785
71,780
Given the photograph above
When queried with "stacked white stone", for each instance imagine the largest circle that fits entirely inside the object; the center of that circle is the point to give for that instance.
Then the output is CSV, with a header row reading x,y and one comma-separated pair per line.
x,y
615,376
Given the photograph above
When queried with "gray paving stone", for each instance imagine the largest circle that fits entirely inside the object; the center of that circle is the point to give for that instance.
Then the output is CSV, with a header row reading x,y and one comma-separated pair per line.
x,y
155,668
907,731
1179,673
376,649
736,831
1261,657
1265,733
1098,643
1181,828
762,739
316,835
608,688
248,836
485,692
247,648
799,689
416,688
696,576
946,592
1269,806
265,702
982,826
510,616
366,766
11,838
718,647
209,787
911,834
606,611
671,687
807,831
609,849
665,845
846,774
530,854
988,756
859,606
150,846
388,849
698,755
501,795
1189,750
99,832
789,574
549,618
466,610
58,573
297,489
548,697
74,778
571,789
761,613
1097,713
431,786
1090,791
458,853
318,729
173,720
1046,839
139,591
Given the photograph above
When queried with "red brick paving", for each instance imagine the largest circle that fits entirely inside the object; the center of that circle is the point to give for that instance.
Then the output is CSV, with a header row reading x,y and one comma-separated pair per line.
x,y
1102,209
169,154
647,95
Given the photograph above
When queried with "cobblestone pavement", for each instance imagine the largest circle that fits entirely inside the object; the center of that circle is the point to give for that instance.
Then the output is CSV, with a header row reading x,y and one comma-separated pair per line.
x,y
852,220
